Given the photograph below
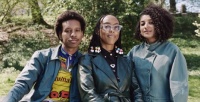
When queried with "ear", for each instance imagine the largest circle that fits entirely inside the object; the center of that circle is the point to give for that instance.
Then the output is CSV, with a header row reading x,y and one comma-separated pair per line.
x,y
60,36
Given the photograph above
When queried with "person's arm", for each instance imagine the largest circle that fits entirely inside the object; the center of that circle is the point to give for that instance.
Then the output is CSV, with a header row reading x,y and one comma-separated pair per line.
x,y
179,79
25,79
86,82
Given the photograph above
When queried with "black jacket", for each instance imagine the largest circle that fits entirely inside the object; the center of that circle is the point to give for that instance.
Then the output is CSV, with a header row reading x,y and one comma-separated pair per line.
x,y
97,82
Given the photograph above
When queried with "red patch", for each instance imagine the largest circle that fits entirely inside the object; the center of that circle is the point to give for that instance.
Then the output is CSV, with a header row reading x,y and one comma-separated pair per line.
x,y
63,65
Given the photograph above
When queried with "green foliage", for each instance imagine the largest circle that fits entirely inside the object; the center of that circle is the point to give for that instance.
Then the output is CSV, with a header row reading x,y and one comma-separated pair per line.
x,y
197,24
21,20
83,47
184,41
8,9
20,48
128,42
184,24
193,61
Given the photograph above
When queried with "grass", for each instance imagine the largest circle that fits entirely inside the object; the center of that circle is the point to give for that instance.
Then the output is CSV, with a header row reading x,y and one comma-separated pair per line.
x,y
194,89
7,79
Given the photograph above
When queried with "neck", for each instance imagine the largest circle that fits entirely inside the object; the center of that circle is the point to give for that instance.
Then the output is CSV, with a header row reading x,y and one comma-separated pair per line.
x,y
108,48
70,51
150,41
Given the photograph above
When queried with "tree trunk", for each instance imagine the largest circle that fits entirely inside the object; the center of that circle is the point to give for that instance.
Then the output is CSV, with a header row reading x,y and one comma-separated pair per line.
x,y
36,13
172,6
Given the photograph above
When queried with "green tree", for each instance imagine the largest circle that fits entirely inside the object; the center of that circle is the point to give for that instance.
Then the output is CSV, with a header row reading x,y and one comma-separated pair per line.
x,y
6,9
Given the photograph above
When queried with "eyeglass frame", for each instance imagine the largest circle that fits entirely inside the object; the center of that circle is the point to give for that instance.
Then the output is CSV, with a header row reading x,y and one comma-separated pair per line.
x,y
111,27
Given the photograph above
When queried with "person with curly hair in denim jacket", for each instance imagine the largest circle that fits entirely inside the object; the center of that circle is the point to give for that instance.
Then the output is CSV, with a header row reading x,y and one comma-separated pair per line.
x,y
160,66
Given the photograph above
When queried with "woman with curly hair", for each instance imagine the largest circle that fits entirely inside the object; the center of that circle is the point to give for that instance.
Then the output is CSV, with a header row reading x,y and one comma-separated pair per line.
x,y
160,67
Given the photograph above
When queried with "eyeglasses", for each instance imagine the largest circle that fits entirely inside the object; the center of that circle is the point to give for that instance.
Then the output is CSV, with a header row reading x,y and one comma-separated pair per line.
x,y
108,27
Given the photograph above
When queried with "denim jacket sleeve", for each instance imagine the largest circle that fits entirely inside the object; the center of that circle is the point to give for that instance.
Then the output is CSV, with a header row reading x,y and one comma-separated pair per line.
x,y
179,79
26,78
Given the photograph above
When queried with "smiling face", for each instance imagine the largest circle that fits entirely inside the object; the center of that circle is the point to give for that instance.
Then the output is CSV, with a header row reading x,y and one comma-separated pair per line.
x,y
109,32
147,28
71,35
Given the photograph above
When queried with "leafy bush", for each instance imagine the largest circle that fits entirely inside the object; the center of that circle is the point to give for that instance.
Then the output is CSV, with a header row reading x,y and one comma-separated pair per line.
x,y
184,24
20,48
83,47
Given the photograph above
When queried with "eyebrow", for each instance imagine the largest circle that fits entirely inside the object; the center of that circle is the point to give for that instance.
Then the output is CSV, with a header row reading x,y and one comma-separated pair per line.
x,y
144,20
71,28
109,23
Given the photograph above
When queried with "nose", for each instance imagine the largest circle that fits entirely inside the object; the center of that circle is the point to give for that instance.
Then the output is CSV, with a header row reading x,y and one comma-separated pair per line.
x,y
73,34
112,29
146,25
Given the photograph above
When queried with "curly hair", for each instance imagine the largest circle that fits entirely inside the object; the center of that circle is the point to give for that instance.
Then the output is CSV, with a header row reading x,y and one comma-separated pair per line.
x,y
68,15
163,22
95,41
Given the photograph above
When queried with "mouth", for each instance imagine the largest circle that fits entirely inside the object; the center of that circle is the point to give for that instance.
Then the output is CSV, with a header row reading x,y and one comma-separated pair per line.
x,y
74,40
110,36
147,31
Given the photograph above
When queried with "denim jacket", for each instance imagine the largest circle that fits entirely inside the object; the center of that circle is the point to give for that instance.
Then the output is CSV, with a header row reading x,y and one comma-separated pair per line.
x,y
162,72
39,75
